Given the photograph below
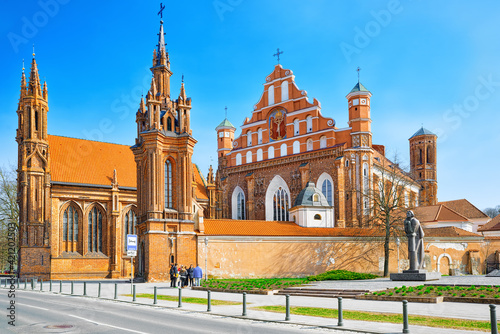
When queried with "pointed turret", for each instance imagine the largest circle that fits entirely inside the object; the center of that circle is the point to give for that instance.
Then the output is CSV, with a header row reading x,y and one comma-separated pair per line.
x,y
45,92
23,85
182,94
34,81
142,106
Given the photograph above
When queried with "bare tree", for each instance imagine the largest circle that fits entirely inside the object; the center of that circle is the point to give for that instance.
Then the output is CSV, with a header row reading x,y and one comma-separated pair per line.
x,y
9,211
492,212
385,202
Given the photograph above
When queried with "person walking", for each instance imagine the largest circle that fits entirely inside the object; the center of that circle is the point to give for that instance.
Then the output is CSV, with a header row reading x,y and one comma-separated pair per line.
x,y
173,275
198,275
190,275
183,276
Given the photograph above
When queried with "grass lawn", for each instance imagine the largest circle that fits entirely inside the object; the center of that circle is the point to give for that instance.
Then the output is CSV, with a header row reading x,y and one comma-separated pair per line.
x,y
384,317
191,300
490,291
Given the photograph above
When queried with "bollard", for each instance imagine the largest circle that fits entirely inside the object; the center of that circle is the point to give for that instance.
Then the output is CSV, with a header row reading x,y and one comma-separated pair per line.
x,y
25,283
287,316
133,293
60,286
99,290
341,316
180,298
72,287
18,283
405,317
84,288
32,287
209,302
244,313
116,290
50,285
41,285
493,319
155,300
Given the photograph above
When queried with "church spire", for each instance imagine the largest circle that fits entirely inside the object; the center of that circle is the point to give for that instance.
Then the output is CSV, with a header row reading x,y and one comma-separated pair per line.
x,y
34,81
161,52
23,83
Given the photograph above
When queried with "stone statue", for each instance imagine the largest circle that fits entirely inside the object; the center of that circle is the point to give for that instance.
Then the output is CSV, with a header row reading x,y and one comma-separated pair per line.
x,y
415,235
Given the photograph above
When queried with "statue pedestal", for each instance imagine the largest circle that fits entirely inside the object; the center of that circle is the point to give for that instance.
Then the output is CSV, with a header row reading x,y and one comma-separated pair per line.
x,y
415,275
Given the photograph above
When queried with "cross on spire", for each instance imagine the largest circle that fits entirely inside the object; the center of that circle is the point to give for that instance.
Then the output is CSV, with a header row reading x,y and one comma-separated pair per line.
x,y
161,10
358,69
226,111
277,54
182,78
33,50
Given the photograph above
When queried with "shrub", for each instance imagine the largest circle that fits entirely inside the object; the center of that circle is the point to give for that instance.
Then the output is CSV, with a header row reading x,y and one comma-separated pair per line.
x,y
495,296
403,294
440,293
463,294
482,296
340,275
420,293
474,294
454,295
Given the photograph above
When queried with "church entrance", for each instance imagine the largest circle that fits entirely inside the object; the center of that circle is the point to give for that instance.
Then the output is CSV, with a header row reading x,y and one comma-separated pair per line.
x,y
444,265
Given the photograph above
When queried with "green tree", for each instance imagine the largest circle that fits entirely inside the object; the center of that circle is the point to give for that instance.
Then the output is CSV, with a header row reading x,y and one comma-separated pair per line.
x,y
9,211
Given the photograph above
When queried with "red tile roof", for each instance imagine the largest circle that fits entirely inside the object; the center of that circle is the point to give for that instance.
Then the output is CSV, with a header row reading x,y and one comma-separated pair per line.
x,y
448,231
200,189
437,213
465,208
91,162
277,228
492,225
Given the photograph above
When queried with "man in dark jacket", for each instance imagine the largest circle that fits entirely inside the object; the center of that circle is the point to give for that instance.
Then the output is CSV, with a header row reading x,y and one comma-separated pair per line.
x,y
190,275
173,275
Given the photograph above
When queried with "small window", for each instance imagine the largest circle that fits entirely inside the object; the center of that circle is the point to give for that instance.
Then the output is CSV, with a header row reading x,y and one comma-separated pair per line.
x,y
322,142
259,136
270,95
259,154
249,138
270,152
309,121
238,159
296,147
249,157
309,144
317,217
296,127
283,150
315,198
347,163
284,91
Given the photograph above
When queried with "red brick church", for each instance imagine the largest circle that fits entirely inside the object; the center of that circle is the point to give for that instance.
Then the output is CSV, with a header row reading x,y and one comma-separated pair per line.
x,y
290,186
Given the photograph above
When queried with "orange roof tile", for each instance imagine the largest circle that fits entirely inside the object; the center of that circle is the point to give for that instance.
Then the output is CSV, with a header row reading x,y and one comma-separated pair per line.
x,y
201,189
278,228
492,225
465,208
91,162
448,231
436,213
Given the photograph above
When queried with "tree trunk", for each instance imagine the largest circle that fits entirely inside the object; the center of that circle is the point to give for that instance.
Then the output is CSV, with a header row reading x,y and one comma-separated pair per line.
x,y
386,247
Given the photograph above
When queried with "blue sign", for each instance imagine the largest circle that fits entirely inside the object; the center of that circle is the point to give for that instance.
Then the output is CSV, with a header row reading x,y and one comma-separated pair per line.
x,y
131,242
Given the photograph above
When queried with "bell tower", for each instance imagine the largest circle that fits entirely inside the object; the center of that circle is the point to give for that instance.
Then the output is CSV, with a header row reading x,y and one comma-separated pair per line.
x,y
423,156
33,177
163,153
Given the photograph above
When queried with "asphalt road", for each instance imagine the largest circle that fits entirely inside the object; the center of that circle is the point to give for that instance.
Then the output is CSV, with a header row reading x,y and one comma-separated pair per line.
x,y
48,313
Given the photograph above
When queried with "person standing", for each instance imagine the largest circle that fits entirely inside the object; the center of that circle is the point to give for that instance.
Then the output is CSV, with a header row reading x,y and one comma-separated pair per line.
x,y
173,275
183,276
190,275
197,274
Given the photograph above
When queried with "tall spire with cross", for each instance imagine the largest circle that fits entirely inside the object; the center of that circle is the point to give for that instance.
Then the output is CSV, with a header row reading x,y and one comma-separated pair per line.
x,y
358,70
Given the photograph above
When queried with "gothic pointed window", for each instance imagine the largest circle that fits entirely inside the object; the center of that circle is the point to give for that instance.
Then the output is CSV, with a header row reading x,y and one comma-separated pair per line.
x,y
420,156
129,226
270,152
238,203
241,206
95,231
70,229
280,205
429,157
168,184
326,189
169,124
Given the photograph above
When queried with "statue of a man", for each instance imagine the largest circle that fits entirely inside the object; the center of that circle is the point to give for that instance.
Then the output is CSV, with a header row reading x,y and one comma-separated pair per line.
x,y
415,235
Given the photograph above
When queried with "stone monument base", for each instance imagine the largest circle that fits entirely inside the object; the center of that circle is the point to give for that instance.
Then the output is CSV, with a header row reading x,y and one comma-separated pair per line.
x,y
415,275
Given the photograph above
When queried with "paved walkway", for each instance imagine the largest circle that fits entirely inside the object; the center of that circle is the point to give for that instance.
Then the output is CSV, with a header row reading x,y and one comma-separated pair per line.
x,y
447,309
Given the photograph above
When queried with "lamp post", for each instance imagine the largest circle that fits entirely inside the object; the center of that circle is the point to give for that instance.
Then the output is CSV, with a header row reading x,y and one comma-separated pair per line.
x,y
206,250
398,242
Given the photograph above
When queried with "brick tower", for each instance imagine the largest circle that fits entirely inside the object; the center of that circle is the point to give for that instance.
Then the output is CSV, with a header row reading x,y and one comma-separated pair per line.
x,y
33,177
163,151
359,155
423,164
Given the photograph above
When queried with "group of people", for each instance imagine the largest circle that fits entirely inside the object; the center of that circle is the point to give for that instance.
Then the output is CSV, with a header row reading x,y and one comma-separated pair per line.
x,y
181,276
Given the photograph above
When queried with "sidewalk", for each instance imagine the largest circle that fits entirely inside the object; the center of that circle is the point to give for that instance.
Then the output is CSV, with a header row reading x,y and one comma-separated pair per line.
x,y
451,310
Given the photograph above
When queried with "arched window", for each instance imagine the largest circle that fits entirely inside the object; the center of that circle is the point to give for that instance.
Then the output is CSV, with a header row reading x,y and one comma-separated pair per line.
x,y
420,158
129,226
270,152
259,154
296,127
296,147
249,138
280,205
168,184
326,189
169,124
283,150
238,159
322,142
429,157
317,217
284,91
36,120
238,203
309,144
259,136
249,157
309,121
70,229
95,230
270,95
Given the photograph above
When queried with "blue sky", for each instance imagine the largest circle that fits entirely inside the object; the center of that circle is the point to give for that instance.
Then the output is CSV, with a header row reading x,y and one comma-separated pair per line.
x,y
425,62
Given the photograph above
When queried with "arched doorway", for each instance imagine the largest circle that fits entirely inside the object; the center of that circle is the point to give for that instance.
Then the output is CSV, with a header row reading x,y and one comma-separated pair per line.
x,y
444,262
